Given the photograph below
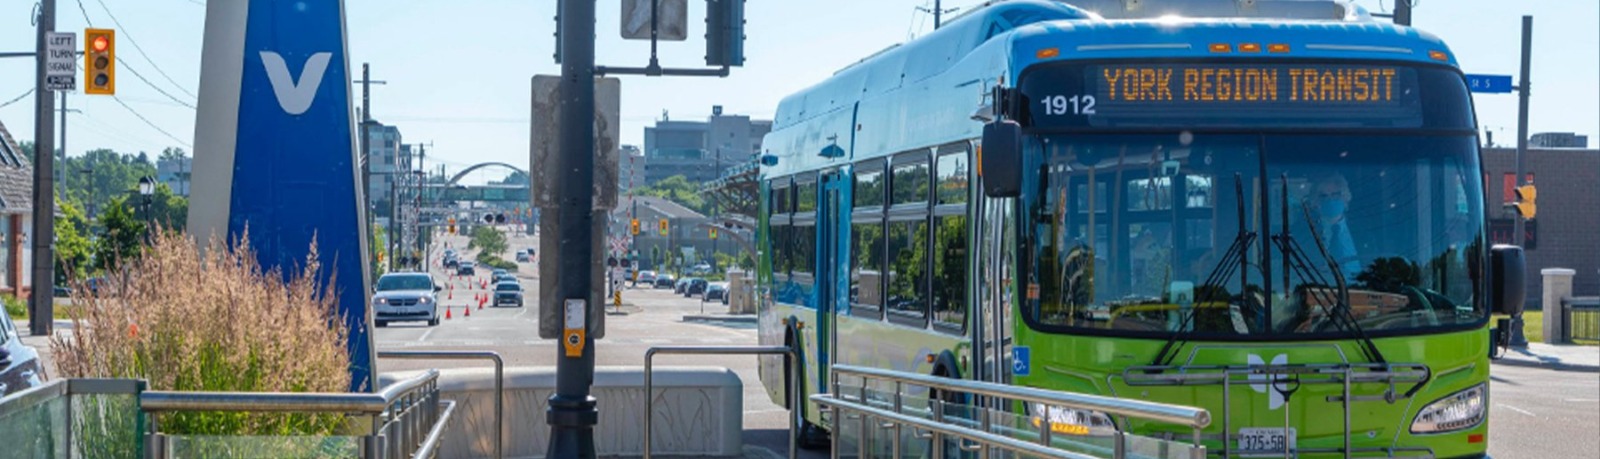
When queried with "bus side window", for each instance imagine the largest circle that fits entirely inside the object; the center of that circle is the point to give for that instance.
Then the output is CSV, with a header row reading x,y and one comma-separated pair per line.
x,y
909,246
950,250
867,249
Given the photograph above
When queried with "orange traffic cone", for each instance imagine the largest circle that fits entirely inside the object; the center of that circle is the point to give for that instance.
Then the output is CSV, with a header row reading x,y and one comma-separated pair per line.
x,y
466,312
446,313
451,295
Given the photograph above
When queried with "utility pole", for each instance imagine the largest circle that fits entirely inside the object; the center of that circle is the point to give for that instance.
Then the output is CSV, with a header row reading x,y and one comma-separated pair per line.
x,y
571,413
366,147
1517,234
41,305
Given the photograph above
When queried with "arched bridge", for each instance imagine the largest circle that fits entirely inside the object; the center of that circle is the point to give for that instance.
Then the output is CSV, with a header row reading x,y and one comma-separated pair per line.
x,y
452,191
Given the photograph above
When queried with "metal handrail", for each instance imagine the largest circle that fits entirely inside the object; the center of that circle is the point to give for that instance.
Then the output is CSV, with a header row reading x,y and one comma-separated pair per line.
x,y
964,433
375,403
499,383
1196,418
649,382
431,443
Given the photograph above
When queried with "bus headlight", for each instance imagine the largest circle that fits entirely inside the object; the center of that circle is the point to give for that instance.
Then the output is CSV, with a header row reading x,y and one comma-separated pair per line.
x,y
1461,410
1071,421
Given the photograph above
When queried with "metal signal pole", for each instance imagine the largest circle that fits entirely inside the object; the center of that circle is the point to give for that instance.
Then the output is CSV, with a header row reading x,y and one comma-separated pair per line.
x,y
571,413
1518,235
41,302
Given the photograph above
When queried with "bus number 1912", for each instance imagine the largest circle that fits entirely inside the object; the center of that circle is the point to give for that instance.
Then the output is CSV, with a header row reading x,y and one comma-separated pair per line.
x,y
1068,105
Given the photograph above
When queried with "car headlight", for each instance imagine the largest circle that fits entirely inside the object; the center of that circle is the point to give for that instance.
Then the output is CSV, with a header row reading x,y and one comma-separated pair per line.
x,y
1070,421
1461,410
424,300
380,301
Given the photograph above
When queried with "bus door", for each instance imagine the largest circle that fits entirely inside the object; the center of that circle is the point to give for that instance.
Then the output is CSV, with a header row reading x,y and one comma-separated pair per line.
x,y
992,329
833,220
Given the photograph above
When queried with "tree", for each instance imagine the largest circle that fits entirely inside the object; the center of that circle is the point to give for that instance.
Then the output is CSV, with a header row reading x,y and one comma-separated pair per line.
x,y
124,235
27,150
168,209
172,154
100,175
488,240
680,190
72,247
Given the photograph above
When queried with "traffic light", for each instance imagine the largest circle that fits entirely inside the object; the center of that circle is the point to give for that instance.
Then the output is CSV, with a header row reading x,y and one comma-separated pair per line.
x,y
1525,206
725,33
452,225
488,218
663,227
713,232
635,227
500,218
100,61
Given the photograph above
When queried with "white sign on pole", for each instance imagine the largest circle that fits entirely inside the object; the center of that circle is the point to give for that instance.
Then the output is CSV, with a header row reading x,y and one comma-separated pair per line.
x,y
671,21
61,61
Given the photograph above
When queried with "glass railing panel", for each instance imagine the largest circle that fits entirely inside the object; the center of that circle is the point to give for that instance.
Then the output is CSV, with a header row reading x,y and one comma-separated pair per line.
x,y
107,426
34,426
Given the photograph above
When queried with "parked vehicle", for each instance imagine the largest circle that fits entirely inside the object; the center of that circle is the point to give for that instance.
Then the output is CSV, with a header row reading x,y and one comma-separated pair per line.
x,y
716,291
466,268
694,286
523,257
701,268
646,277
20,367
508,292
664,281
405,296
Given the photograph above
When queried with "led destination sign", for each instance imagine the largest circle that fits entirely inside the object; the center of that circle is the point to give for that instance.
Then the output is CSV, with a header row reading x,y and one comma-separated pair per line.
x,y
1206,94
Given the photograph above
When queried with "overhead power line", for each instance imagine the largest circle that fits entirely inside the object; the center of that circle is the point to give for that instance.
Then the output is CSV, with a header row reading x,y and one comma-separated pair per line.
x,y
136,47
151,124
124,63
15,99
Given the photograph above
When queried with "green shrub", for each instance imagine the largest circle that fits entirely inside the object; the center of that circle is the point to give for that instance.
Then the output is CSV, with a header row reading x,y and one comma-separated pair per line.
x,y
185,318
14,307
496,262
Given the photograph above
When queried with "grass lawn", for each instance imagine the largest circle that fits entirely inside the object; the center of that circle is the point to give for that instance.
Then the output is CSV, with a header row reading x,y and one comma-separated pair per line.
x,y
1533,328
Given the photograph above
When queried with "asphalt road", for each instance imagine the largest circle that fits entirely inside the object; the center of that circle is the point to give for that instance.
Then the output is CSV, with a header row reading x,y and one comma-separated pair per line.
x,y
1534,413
651,318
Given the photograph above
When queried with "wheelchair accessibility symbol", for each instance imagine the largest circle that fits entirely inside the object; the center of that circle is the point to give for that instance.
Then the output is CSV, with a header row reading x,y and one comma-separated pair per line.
x,y
1020,362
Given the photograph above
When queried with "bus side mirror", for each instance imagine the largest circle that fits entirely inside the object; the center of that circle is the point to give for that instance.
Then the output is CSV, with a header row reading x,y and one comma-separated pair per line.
x,y
1507,280
1000,159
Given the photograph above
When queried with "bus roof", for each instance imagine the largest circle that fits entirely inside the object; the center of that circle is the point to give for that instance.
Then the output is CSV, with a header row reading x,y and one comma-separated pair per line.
x,y
923,93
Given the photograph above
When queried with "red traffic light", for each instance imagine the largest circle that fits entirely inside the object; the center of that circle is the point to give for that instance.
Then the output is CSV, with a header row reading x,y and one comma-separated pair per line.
x,y
101,43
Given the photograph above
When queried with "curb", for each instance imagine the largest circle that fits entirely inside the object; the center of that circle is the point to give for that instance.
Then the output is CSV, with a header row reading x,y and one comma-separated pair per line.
x,y
742,318
1557,366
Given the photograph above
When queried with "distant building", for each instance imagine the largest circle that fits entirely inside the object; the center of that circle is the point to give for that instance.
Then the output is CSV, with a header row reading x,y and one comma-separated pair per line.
x,y
701,150
175,173
385,151
16,217
1562,233
688,237
1558,140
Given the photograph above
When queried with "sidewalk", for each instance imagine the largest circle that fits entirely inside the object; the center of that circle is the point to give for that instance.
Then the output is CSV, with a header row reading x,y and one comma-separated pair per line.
x,y
1553,356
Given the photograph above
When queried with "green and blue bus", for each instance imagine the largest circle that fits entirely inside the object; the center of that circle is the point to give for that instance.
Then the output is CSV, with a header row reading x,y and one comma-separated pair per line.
x,y
1273,210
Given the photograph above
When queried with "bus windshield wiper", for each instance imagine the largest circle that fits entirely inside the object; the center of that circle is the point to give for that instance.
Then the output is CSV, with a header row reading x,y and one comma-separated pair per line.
x,y
1298,262
1233,259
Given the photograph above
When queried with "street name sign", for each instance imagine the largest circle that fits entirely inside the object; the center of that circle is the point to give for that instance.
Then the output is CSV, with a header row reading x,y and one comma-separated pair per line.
x,y
1493,84
61,61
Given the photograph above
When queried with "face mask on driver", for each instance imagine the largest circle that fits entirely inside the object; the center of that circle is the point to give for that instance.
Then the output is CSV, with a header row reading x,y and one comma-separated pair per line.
x,y
1332,208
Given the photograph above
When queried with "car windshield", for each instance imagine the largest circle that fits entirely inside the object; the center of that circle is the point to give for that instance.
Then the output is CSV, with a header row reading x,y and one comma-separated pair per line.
x,y
1130,233
507,286
405,282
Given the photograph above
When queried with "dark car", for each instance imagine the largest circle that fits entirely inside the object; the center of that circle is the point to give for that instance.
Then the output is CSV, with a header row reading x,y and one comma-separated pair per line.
x,y
694,286
508,292
717,291
450,261
466,268
664,281
19,363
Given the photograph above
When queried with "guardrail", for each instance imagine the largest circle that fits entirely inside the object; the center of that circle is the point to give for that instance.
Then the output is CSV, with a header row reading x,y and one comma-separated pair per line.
x,y
649,383
406,414
499,382
985,437
1580,318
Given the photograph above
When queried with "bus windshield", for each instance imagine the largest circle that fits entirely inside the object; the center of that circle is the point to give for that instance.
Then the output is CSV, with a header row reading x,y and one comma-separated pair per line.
x,y
1134,235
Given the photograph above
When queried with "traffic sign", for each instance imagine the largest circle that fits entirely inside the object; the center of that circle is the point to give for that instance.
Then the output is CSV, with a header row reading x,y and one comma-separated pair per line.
x,y
61,61
1020,364
1493,84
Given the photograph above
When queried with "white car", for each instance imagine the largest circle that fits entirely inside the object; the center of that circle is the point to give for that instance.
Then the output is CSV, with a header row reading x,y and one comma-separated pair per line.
x,y
405,297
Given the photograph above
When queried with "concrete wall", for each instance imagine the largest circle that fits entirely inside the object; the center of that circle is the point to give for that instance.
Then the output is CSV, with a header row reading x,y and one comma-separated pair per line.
x,y
1568,220
698,411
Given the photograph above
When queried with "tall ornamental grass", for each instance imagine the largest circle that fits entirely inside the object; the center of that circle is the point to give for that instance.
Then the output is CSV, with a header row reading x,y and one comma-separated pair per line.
x,y
190,318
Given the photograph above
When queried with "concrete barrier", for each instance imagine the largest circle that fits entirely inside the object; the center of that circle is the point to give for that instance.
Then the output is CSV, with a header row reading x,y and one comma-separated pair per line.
x,y
698,411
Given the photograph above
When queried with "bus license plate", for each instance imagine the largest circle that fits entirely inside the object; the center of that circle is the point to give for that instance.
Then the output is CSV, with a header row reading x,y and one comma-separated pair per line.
x,y
1265,441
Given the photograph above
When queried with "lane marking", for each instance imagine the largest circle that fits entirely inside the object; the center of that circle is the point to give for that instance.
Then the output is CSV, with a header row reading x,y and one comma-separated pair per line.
x,y
1519,410
424,337
1580,400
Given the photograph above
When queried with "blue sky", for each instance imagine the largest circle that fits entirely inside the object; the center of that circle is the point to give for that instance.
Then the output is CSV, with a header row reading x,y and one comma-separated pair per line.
x,y
458,70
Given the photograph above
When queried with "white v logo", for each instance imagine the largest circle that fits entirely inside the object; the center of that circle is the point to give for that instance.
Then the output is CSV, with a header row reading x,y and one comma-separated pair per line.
x,y
295,97
1262,383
